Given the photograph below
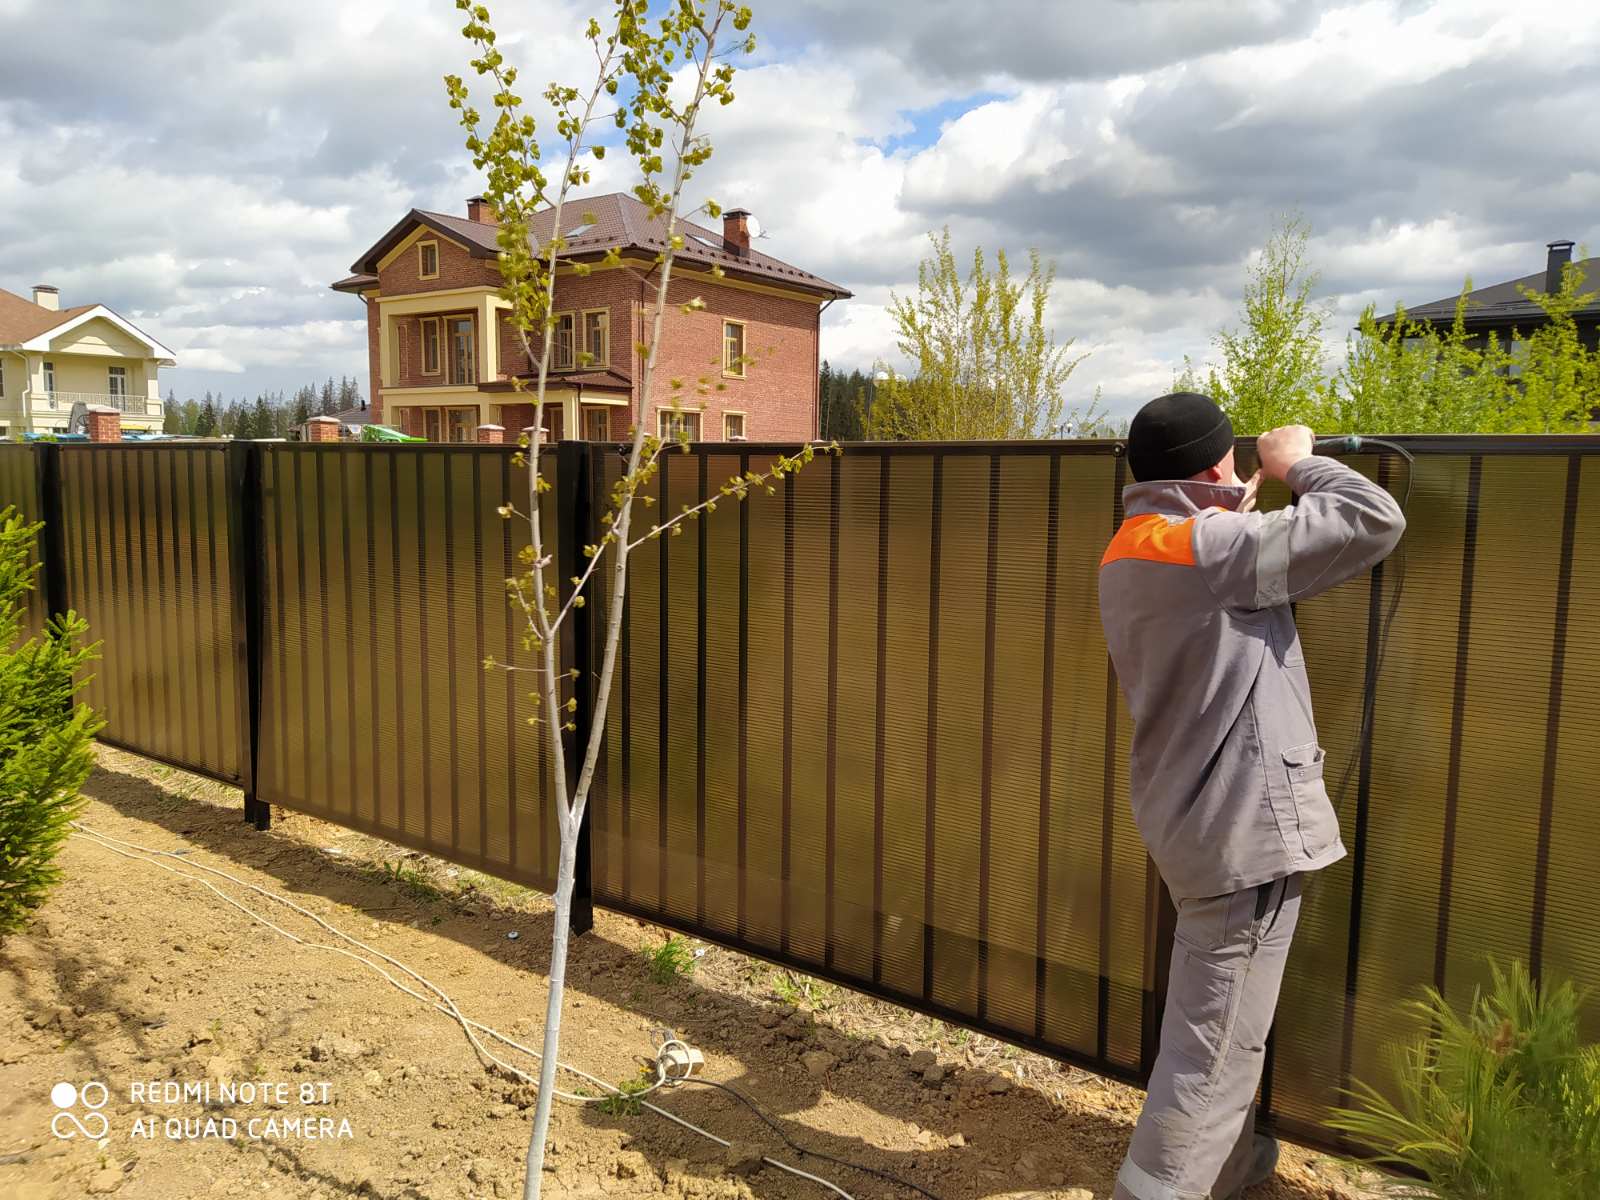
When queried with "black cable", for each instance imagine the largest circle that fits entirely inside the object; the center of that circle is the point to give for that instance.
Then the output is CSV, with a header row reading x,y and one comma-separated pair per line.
x,y
801,1150
1385,625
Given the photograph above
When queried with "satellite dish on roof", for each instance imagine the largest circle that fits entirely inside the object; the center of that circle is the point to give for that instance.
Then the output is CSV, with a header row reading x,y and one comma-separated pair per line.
x,y
754,226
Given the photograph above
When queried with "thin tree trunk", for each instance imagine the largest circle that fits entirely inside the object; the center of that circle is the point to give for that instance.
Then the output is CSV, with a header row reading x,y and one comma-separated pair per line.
x,y
566,874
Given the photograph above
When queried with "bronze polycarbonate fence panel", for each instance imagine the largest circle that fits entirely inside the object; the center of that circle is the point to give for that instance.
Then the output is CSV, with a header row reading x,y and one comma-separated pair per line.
x,y
149,563
866,727
1467,822
384,593
861,726
19,489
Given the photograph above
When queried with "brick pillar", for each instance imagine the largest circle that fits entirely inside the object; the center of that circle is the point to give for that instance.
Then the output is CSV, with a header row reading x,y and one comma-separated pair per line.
x,y
105,424
491,435
533,433
322,429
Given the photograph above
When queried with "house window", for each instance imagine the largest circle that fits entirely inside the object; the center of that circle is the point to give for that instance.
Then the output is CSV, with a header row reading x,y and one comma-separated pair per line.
x,y
733,348
430,345
463,351
461,424
432,424
1517,362
671,424
597,336
563,349
50,379
428,260
733,427
117,382
553,424
597,424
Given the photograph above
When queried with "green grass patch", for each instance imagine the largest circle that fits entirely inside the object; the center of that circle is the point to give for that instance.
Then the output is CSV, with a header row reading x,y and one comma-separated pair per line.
x,y
803,991
672,960
409,880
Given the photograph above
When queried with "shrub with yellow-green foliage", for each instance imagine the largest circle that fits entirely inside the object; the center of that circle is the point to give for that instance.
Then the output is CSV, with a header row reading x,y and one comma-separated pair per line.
x,y
1400,375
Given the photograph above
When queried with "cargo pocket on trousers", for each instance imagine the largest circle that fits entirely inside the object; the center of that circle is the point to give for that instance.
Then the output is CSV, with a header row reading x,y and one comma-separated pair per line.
x,y
1203,1000
1319,825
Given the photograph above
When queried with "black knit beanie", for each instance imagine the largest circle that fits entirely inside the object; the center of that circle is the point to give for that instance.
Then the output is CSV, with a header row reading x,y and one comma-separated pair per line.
x,y
1176,436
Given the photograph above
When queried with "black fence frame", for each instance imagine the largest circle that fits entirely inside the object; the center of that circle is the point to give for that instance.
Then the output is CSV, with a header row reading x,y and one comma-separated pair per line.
x,y
579,498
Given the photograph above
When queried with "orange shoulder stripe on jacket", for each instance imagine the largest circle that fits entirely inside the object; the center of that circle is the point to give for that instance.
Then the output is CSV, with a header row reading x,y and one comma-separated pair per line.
x,y
1153,538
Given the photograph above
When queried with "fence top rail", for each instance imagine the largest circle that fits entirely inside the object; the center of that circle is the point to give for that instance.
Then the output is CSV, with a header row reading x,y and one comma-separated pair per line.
x,y
1430,444
134,446
1417,443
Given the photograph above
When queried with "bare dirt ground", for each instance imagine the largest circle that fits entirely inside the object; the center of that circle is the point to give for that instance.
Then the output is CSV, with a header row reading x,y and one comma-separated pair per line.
x,y
132,974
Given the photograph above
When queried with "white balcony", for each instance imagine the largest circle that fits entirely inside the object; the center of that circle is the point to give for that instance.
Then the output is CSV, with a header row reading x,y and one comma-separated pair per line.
x,y
133,406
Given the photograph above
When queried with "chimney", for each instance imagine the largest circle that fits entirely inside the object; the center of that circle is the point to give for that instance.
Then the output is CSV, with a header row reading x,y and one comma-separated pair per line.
x,y
1560,256
736,230
478,210
46,296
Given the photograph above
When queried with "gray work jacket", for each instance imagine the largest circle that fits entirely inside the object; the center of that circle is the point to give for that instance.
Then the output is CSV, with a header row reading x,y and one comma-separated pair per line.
x,y
1226,773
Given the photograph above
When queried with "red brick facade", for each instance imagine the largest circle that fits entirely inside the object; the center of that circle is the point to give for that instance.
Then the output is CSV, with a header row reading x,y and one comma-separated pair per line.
x,y
778,393
374,360
457,269
775,396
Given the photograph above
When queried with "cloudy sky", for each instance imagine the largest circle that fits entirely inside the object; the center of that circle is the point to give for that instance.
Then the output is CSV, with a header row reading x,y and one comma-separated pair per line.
x,y
208,168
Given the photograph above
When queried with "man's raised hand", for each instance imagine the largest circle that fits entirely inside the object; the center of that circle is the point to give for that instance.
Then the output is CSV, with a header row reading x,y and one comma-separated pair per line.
x,y
1282,448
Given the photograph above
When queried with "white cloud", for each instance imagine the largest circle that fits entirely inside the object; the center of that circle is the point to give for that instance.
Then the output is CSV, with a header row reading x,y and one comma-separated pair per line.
x,y
213,192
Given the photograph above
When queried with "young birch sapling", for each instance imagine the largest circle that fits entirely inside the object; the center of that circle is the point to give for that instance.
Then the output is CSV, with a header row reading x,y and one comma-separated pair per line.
x,y
653,78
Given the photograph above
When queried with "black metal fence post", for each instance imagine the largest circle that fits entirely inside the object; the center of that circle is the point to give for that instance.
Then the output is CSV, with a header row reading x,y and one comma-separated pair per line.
x,y
53,538
574,531
244,536
1160,933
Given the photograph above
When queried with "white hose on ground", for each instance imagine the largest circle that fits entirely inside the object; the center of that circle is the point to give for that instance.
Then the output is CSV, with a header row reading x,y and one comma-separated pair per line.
x,y
443,1003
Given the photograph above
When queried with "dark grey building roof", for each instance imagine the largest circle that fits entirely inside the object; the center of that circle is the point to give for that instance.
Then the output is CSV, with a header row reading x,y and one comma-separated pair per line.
x,y
1503,304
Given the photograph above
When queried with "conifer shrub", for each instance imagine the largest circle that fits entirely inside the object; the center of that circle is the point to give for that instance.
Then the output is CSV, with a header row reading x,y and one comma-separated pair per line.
x,y
1500,1102
45,731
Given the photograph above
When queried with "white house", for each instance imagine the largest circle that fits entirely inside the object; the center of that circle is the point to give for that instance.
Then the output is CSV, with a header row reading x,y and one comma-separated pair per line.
x,y
52,358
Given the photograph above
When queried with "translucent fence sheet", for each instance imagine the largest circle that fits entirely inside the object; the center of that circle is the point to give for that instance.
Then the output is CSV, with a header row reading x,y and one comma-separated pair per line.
x,y
862,727
1471,823
383,592
866,727
148,562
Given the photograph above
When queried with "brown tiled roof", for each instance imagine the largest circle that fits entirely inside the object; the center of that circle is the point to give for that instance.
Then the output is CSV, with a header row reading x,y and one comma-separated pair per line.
x,y
21,319
620,220
356,283
609,380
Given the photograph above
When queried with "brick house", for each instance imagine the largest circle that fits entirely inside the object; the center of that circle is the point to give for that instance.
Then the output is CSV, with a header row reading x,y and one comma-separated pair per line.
x,y
443,356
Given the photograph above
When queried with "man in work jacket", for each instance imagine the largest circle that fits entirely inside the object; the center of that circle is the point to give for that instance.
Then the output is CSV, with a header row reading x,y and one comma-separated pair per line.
x,y
1226,773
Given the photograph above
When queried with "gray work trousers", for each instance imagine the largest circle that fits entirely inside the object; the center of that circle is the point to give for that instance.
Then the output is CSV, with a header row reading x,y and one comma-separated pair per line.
x,y
1195,1138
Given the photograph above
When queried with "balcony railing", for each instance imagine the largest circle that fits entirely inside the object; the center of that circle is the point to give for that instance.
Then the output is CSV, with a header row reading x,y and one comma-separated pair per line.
x,y
137,406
